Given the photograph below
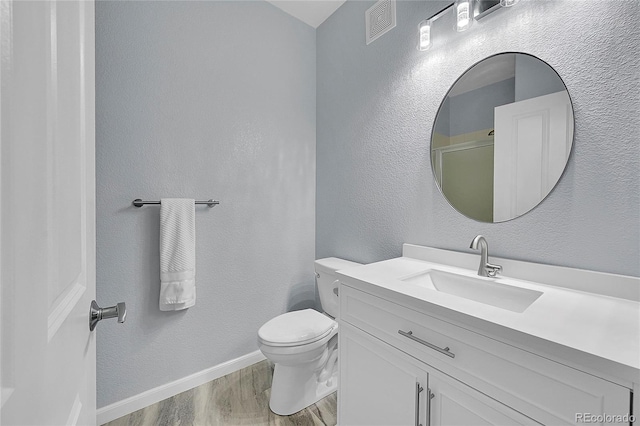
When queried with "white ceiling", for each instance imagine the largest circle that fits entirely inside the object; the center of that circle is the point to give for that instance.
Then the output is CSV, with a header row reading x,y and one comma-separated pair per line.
x,y
312,12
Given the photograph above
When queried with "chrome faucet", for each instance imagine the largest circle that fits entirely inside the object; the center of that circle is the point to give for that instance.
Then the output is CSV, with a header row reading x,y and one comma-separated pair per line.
x,y
485,269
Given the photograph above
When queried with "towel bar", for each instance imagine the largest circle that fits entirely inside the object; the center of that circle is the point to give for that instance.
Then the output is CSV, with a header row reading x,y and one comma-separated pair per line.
x,y
139,203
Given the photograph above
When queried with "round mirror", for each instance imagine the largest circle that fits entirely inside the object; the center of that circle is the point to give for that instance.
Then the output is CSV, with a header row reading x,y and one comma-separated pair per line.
x,y
502,137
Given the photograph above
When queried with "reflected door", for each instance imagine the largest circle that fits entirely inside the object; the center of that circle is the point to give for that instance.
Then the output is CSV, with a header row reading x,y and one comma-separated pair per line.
x,y
47,198
532,144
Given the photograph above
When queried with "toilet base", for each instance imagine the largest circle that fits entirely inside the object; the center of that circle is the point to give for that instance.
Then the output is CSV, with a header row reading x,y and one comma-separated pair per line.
x,y
296,387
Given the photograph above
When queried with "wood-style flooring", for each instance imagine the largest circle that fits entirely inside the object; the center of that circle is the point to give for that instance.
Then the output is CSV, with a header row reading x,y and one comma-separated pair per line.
x,y
240,398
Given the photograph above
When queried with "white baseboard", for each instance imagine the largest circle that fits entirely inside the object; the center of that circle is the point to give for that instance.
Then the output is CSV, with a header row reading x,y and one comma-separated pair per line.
x,y
144,399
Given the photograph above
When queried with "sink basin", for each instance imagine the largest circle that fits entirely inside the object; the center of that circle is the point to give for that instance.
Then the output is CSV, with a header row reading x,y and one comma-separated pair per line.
x,y
478,289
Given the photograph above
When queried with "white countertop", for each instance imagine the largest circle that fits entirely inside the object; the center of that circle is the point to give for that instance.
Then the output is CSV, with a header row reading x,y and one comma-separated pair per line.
x,y
604,326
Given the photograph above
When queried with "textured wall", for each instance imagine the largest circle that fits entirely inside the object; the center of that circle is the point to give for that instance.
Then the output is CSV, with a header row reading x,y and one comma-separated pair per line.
x,y
201,99
376,105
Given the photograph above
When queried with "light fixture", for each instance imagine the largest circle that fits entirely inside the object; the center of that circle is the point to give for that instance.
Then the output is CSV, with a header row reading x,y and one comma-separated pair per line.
x,y
463,14
424,30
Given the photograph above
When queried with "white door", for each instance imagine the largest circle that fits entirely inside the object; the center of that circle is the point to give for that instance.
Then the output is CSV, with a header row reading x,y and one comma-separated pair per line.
x,y
531,146
47,212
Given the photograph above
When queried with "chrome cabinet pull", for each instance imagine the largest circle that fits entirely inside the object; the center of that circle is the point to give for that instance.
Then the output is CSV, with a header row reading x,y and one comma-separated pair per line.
x,y
96,313
418,390
429,398
410,335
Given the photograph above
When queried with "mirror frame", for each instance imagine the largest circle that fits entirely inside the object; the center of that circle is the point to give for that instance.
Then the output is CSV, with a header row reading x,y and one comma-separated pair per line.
x,y
446,96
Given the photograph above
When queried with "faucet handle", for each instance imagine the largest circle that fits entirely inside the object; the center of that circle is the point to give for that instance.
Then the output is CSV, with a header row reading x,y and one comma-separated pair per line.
x,y
492,270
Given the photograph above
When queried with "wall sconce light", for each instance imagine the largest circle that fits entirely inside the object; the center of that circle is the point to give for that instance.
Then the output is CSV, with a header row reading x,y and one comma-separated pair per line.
x,y
464,19
465,12
424,29
425,35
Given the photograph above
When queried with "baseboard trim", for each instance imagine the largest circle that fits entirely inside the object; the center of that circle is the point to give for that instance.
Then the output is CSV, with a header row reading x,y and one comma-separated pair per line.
x,y
144,399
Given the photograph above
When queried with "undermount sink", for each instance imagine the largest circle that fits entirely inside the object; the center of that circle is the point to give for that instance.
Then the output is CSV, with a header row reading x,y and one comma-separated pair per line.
x,y
478,289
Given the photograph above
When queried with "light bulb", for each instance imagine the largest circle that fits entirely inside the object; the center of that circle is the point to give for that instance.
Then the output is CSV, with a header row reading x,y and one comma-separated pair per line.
x,y
508,3
464,19
424,31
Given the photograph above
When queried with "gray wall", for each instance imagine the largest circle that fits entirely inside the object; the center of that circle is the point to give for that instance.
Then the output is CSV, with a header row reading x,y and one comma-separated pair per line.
x,y
376,105
474,110
201,100
534,78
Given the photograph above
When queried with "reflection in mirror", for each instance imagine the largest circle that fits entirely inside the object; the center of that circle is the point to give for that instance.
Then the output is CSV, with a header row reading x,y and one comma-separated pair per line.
x,y
502,137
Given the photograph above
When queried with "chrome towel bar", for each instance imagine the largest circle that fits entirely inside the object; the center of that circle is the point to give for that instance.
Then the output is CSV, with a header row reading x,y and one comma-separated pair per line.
x,y
139,203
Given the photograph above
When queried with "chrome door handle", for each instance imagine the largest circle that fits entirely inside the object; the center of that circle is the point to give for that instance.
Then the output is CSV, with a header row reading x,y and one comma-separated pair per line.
x,y
418,390
96,313
430,396
410,335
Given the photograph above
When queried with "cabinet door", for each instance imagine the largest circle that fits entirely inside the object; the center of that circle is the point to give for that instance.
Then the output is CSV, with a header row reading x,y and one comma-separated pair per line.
x,y
379,385
455,404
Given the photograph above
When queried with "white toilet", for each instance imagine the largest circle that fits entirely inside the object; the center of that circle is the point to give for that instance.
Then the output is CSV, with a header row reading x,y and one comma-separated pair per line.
x,y
303,345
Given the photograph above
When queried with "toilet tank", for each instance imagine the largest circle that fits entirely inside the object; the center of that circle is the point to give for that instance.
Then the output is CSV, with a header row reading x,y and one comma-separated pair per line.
x,y
325,277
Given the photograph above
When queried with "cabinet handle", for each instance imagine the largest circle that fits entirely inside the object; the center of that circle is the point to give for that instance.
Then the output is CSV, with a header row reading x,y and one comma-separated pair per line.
x,y
429,398
418,390
410,335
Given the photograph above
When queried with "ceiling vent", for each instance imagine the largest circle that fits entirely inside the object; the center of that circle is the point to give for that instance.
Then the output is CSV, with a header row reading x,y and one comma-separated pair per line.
x,y
380,18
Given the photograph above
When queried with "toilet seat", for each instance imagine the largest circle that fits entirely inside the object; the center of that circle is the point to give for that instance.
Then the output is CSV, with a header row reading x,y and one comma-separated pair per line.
x,y
296,328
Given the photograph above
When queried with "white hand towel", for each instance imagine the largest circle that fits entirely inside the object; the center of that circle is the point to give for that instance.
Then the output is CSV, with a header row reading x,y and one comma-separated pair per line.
x,y
177,254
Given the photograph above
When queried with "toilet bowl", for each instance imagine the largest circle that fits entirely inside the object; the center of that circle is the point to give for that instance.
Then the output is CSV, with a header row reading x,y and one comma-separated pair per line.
x,y
303,345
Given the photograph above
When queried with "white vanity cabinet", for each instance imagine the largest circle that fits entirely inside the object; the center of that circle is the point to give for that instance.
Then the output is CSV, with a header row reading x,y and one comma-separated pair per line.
x,y
382,386
388,349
